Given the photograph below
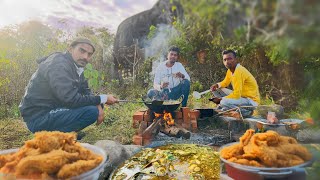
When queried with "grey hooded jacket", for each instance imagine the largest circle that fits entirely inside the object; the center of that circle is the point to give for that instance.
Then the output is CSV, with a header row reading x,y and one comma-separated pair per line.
x,y
55,84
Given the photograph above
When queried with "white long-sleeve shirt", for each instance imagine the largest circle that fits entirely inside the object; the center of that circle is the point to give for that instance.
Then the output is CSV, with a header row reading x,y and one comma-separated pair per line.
x,y
167,74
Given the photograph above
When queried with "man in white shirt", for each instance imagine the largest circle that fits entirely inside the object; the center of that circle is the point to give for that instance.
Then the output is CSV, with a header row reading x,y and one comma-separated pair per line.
x,y
171,80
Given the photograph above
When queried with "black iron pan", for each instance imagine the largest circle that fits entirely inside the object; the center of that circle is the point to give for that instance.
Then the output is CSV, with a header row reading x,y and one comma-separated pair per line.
x,y
160,108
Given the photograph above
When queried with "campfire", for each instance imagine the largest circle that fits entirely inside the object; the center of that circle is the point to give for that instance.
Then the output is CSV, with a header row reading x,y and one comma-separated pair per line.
x,y
174,124
167,117
168,126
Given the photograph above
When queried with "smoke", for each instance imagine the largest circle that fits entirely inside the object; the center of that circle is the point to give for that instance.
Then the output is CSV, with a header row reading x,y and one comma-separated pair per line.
x,y
159,44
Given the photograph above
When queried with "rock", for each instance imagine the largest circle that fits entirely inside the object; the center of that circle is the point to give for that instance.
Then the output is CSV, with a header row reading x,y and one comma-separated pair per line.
x,y
117,153
309,135
135,29
263,110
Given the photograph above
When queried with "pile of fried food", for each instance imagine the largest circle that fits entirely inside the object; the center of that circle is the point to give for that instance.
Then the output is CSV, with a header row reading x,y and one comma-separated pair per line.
x,y
49,155
267,149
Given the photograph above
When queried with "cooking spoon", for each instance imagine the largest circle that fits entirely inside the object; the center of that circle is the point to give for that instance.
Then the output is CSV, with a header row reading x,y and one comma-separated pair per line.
x,y
197,95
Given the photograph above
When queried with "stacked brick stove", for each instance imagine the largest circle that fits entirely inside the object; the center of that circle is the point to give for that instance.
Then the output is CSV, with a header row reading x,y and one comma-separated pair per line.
x,y
184,118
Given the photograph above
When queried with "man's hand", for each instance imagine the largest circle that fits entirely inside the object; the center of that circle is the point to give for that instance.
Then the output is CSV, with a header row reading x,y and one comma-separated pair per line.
x,y
215,100
101,115
214,87
111,100
179,75
164,85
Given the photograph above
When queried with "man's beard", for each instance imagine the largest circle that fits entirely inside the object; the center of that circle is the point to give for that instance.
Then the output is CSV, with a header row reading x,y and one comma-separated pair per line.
x,y
172,61
82,63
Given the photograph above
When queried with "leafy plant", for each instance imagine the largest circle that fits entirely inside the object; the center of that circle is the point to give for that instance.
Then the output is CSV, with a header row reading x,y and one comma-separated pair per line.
x,y
95,79
152,31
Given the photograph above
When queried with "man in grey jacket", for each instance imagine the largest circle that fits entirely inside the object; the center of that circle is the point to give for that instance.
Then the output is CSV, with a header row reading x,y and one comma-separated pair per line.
x,y
57,96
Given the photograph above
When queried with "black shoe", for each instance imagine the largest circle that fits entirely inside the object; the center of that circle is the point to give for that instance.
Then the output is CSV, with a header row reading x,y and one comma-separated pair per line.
x,y
80,135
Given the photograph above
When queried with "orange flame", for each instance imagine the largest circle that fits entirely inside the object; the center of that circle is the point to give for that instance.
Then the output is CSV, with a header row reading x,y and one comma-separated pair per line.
x,y
166,116
157,115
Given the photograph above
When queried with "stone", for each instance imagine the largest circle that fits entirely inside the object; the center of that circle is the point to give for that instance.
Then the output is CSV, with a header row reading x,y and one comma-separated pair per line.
x,y
132,32
309,135
263,110
117,154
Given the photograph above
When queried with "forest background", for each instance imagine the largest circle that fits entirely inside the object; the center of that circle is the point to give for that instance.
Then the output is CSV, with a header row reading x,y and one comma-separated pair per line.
x,y
276,40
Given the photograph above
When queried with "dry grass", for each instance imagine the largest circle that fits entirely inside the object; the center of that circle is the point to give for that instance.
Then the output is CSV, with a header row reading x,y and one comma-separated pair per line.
x,y
13,133
116,127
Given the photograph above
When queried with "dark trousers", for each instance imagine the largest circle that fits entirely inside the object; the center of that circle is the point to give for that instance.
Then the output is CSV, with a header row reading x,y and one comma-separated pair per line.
x,y
65,120
175,93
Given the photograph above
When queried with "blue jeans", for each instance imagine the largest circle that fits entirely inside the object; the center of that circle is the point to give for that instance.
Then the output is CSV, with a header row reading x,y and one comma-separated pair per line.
x,y
65,120
227,103
175,93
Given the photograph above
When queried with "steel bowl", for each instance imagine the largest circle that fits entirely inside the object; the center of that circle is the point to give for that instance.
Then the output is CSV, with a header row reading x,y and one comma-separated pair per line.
x,y
88,175
240,172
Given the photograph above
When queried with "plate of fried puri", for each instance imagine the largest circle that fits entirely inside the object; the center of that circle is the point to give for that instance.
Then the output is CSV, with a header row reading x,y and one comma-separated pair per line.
x,y
53,155
268,154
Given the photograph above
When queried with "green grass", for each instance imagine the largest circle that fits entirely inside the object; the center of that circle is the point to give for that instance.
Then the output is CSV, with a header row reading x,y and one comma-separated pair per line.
x,y
116,127
13,133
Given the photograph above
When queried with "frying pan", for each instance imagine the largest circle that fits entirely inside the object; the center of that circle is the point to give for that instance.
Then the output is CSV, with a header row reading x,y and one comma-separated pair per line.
x,y
160,108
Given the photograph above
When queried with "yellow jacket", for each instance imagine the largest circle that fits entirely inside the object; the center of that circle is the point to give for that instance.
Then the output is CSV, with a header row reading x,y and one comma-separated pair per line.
x,y
243,83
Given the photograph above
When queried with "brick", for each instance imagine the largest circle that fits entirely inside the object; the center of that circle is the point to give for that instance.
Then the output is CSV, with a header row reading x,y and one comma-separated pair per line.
x,y
138,116
135,124
142,116
178,121
137,140
186,126
177,115
194,114
194,126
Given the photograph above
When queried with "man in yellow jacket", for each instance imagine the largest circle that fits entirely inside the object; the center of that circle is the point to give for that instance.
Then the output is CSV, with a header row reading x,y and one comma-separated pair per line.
x,y
245,88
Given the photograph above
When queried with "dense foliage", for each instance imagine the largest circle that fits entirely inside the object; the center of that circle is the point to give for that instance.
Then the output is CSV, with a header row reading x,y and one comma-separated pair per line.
x,y
274,40
20,47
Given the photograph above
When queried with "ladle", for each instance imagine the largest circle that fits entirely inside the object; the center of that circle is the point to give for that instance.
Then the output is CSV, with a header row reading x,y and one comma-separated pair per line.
x,y
197,95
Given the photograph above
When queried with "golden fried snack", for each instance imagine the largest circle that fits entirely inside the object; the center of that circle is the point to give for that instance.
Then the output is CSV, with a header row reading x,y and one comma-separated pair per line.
x,y
5,158
267,149
245,138
83,152
45,141
77,168
49,162
45,155
246,162
287,140
232,151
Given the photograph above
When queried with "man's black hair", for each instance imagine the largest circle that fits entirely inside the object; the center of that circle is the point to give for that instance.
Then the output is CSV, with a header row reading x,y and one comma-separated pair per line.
x,y
175,49
229,51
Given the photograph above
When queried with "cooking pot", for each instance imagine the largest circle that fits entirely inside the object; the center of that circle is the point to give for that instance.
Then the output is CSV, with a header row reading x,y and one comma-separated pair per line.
x,y
207,112
158,108
240,172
